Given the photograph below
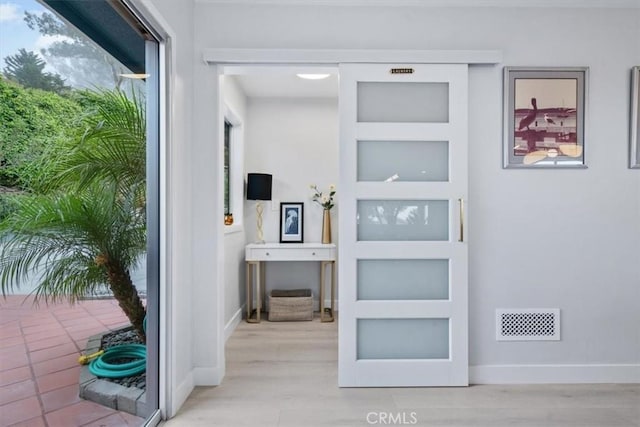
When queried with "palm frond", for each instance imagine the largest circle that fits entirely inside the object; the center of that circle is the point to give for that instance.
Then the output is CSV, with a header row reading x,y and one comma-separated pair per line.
x,y
70,278
112,148
64,237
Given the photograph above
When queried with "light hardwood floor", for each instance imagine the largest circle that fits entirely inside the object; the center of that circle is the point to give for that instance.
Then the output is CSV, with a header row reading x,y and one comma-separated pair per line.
x,y
285,374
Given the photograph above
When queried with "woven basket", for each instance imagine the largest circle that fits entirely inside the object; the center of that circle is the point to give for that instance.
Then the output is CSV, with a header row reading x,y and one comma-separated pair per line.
x,y
288,305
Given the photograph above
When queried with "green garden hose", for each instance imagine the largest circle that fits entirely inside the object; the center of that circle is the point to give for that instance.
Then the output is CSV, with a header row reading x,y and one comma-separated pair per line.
x,y
103,366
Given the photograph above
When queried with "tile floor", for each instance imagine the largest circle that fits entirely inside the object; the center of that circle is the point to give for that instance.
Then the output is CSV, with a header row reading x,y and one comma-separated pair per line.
x,y
285,374
39,348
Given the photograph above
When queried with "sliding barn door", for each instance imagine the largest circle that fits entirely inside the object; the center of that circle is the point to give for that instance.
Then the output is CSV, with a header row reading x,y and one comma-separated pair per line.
x,y
403,255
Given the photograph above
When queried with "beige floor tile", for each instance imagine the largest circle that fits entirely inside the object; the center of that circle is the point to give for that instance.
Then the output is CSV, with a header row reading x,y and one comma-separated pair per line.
x,y
225,418
632,414
286,374
515,396
521,417
329,417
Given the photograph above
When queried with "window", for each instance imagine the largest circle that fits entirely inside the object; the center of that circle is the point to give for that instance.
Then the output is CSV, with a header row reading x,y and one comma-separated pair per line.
x,y
228,220
233,169
89,76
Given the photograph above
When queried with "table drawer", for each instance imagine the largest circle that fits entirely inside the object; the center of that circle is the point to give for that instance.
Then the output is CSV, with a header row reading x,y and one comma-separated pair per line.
x,y
285,254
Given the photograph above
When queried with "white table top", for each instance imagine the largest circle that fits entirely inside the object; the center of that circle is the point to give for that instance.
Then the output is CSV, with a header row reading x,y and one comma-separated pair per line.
x,y
274,245
290,252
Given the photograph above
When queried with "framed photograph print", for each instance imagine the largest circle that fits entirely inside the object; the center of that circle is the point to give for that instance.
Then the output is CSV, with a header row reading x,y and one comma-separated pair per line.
x,y
544,117
634,156
291,222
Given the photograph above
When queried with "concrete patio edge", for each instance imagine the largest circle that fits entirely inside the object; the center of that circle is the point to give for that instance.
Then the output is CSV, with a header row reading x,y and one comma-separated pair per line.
x,y
106,393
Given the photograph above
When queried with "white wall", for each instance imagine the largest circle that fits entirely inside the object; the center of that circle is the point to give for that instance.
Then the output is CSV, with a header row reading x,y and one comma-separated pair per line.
x,y
234,239
207,218
295,140
584,259
537,238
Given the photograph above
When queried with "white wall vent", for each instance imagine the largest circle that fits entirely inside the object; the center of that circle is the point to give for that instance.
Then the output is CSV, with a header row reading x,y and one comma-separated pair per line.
x,y
528,324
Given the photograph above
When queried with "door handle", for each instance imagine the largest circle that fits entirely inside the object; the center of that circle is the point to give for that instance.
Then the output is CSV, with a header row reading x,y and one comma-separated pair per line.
x,y
461,205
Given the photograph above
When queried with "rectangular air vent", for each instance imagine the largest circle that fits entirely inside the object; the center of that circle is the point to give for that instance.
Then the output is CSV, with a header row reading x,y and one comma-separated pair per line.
x,y
528,324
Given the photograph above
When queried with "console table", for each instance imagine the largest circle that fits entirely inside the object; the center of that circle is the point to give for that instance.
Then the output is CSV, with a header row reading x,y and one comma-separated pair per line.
x,y
256,254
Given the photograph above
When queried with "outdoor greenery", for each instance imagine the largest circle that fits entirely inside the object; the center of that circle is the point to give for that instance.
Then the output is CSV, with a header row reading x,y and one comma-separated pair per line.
x,y
80,221
111,150
27,68
75,55
7,203
31,121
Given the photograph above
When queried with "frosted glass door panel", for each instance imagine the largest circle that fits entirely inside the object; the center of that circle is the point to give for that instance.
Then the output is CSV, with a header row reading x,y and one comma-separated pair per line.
x,y
403,339
403,161
392,220
400,279
403,102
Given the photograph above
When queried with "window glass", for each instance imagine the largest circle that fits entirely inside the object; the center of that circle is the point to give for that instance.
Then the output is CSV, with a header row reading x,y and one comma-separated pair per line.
x,y
227,168
78,149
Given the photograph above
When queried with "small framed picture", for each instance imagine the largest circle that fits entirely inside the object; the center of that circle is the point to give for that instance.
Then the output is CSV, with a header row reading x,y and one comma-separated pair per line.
x,y
634,158
544,117
291,222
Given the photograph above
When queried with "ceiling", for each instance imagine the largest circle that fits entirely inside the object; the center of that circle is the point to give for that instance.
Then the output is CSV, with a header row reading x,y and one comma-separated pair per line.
x,y
441,3
286,85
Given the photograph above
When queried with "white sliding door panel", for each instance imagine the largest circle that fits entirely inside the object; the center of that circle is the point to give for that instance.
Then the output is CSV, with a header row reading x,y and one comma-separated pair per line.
x,y
403,256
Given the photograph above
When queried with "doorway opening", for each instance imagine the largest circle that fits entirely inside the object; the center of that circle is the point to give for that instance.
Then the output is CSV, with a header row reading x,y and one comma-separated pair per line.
x,y
286,126
403,180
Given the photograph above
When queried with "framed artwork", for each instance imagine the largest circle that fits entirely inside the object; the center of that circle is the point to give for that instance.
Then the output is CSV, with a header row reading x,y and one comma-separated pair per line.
x,y
544,117
291,222
634,156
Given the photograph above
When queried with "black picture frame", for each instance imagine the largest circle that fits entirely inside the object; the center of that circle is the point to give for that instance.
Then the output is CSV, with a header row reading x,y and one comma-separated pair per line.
x,y
291,222
544,117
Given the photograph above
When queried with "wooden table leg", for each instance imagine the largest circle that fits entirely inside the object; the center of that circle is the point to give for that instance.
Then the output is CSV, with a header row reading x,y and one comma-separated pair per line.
x,y
333,289
258,291
263,285
251,265
321,297
326,314
249,286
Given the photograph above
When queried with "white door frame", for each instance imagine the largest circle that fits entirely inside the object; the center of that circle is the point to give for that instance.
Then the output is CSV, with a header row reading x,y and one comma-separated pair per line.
x,y
220,59
320,57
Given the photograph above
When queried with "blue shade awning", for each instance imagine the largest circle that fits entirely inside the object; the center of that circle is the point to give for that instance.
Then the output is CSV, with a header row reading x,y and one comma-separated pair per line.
x,y
104,22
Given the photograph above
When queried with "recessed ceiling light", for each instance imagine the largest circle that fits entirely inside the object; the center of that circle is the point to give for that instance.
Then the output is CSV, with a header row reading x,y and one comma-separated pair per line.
x,y
134,76
313,76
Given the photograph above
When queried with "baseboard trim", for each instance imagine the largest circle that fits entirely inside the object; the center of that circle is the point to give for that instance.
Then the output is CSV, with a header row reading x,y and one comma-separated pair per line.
x,y
206,376
181,394
233,323
554,374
